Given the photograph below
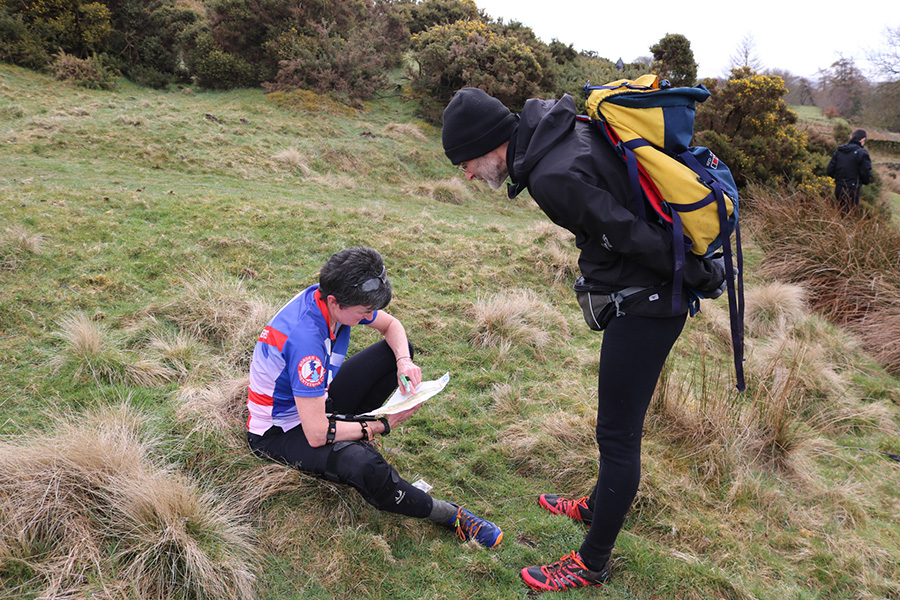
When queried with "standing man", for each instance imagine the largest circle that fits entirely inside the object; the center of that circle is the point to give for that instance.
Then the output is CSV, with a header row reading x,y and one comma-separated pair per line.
x,y
305,394
851,168
578,180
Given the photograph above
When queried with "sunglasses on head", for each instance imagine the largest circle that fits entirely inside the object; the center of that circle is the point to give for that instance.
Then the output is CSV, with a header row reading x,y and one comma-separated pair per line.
x,y
370,285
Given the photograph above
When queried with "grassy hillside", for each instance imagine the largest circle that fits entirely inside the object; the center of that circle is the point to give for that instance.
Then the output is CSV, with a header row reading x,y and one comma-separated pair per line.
x,y
146,237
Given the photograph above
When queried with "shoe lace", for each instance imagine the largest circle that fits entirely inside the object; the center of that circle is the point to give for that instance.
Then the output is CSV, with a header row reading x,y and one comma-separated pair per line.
x,y
466,527
570,507
557,571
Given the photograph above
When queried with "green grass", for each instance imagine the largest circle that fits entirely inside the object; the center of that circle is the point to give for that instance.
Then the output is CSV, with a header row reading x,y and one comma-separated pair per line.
x,y
173,232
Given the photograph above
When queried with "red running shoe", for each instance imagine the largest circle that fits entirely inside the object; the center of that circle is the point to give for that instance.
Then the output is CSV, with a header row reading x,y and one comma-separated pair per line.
x,y
574,509
566,574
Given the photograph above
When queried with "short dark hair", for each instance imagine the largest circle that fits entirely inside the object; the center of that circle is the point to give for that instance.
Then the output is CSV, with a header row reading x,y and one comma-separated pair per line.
x,y
346,270
859,134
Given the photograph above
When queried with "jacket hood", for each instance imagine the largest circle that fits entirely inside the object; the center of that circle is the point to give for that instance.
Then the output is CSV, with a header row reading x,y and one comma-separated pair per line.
x,y
851,146
542,124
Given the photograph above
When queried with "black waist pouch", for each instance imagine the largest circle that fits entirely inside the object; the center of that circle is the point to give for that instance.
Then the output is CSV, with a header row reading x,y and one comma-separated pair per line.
x,y
599,304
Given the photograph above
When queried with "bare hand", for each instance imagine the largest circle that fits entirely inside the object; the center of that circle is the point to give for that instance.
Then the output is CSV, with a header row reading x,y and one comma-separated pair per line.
x,y
407,368
398,418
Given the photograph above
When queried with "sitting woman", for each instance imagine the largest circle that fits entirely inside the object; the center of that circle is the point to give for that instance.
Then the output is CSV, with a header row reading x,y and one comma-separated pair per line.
x,y
304,395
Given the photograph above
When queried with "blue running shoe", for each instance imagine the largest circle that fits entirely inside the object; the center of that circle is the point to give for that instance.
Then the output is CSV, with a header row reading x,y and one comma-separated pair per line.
x,y
469,527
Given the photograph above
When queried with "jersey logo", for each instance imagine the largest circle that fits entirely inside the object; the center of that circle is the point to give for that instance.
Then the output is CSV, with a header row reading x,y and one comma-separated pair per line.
x,y
311,371
273,337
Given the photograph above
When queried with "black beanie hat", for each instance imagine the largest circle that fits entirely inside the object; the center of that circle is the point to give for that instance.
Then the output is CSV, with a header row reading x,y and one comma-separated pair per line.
x,y
474,124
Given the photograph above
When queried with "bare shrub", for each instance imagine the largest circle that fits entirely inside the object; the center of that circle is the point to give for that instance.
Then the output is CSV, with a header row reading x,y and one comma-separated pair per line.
x,y
451,191
84,72
518,317
88,500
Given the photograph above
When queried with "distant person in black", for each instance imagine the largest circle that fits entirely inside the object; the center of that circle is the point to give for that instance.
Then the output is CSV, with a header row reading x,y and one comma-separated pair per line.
x,y
851,168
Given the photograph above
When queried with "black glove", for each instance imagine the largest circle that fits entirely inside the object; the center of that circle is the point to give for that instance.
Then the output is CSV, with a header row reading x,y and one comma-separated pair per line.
x,y
717,266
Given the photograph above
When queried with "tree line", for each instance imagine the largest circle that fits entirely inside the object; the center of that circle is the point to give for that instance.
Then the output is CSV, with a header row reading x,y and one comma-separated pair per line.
x,y
351,49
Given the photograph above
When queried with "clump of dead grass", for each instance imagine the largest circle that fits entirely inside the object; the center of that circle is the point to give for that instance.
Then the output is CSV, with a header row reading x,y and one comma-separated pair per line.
x,y
221,311
773,308
799,392
553,251
450,191
182,353
216,409
17,244
848,264
89,508
561,447
517,317
404,131
292,158
19,237
89,348
719,431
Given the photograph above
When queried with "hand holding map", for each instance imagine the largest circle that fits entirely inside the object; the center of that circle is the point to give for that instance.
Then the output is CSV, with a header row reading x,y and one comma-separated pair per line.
x,y
399,401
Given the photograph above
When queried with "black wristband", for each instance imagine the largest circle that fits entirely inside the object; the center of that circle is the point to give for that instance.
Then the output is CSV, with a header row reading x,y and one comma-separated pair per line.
x,y
332,430
387,426
366,433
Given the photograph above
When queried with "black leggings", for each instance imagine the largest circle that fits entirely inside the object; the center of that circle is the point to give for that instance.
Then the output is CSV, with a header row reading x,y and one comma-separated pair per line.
x,y
631,358
362,384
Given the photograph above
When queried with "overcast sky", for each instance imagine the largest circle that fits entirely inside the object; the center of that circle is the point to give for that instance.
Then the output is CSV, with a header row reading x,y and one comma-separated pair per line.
x,y
798,36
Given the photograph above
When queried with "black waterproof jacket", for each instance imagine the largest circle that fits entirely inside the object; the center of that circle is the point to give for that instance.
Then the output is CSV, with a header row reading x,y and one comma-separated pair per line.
x,y
850,163
579,181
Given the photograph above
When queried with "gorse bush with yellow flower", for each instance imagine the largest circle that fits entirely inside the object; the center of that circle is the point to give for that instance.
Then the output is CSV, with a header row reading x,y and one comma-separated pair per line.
x,y
748,124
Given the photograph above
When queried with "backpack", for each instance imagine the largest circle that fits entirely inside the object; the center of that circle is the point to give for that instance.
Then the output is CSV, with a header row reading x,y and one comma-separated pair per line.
x,y
689,188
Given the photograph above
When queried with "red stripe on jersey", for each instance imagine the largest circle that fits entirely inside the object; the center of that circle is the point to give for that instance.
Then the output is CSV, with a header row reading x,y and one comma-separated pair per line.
x,y
260,399
273,337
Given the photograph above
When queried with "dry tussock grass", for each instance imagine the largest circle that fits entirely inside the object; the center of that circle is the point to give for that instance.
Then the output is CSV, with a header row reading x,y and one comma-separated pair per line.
x,y
450,191
507,399
185,355
20,238
847,264
879,331
553,251
561,447
773,308
220,310
216,409
264,482
335,181
91,349
799,391
404,131
517,317
888,178
292,158
89,498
